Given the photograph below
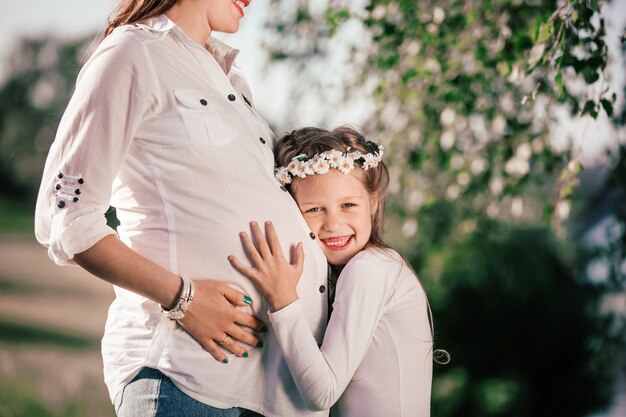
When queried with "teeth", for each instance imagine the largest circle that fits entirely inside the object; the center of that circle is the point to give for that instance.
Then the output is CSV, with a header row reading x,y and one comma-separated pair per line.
x,y
239,3
334,241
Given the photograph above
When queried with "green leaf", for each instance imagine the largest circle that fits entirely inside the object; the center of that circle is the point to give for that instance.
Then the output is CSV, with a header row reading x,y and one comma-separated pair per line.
x,y
504,68
544,32
607,106
558,80
591,75
590,108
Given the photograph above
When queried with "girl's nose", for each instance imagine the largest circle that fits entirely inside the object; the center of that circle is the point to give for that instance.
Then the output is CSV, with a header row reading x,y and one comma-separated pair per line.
x,y
332,223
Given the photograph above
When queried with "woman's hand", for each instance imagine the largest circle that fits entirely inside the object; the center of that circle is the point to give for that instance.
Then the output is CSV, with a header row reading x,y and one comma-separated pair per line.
x,y
217,300
271,273
212,316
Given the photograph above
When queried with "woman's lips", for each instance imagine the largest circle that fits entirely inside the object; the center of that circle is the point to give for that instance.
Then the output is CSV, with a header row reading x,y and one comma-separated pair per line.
x,y
337,243
240,4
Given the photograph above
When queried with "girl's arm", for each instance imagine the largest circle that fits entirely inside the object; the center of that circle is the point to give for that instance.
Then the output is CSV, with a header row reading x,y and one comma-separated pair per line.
x,y
321,374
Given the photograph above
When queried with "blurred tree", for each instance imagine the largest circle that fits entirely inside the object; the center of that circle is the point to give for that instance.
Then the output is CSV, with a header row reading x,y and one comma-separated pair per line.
x,y
40,76
527,337
466,92
466,97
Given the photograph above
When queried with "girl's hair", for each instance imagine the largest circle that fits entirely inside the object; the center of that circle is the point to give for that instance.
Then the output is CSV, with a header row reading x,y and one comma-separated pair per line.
x,y
312,140
133,11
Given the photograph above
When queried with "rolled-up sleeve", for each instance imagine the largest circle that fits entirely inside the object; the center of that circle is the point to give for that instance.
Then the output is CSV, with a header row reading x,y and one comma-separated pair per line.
x,y
114,93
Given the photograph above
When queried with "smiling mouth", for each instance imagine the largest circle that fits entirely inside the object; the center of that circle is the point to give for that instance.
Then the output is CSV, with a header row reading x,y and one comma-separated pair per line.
x,y
240,4
337,243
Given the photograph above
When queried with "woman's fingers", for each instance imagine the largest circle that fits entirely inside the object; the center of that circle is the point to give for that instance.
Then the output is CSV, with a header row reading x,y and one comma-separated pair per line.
x,y
273,241
231,345
239,334
213,316
238,298
212,347
250,321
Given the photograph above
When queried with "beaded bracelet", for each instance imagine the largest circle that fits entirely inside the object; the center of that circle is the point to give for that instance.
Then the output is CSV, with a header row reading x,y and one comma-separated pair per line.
x,y
186,297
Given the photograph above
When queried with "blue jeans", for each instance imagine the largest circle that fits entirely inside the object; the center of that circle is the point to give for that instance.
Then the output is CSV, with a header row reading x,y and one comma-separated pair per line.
x,y
152,394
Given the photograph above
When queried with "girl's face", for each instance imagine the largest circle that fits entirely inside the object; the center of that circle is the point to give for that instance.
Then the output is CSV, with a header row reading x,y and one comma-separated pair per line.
x,y
224,15
339,210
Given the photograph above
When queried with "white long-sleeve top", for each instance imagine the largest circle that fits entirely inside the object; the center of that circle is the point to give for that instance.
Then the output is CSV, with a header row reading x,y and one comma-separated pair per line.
x,y
165,130
376,358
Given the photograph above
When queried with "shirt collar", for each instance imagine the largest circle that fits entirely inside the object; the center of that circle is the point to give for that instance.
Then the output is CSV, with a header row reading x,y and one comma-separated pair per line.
x,y
223,54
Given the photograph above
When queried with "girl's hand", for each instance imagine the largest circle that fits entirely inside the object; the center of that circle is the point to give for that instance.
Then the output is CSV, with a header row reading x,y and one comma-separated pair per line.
x,y
271,273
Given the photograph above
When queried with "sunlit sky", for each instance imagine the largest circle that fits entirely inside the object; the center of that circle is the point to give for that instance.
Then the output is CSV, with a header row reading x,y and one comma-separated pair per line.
x,y
74,18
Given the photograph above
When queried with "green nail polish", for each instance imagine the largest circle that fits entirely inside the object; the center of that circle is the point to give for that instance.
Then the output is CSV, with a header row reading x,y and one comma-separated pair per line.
x,y
245,354
259,345
247,299
225,360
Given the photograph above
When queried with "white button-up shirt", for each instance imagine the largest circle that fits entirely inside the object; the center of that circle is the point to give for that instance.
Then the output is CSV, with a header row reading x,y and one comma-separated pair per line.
x,y
164,129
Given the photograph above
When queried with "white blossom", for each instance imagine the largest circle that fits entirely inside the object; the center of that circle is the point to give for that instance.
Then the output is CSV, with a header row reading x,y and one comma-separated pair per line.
x,y
517,206
563,209
447,140
478,166
496,186
409,227
447,117
438,15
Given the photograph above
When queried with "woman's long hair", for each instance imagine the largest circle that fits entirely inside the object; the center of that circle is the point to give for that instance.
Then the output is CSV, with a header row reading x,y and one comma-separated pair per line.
x,y
133,11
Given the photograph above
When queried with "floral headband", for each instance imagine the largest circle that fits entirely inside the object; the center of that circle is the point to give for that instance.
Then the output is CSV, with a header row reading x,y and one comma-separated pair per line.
x,y
301,165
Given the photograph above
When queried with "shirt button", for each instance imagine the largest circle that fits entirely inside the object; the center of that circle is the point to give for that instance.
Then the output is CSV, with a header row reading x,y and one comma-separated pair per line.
x,y
322,289
203,102
262,141
61,204
312,235
57,187
231,97
81,181
77,191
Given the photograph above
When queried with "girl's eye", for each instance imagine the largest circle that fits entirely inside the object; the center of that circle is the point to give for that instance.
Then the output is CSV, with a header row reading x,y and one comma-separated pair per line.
x,y
348,205
313,210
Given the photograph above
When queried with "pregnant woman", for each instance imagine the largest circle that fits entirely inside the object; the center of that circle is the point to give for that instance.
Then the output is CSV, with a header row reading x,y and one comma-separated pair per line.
x,y
162,126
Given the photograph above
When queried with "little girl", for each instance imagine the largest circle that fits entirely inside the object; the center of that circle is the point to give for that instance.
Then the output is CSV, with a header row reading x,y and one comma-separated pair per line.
x,y
376,358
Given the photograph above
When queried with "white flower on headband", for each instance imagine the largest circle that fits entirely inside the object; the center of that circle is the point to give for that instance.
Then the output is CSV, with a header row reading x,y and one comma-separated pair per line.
x,y
320,164
335,158
282,175
346,165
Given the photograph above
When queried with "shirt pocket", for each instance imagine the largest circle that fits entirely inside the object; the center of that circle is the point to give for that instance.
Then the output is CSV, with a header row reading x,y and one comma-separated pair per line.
x,y
206,119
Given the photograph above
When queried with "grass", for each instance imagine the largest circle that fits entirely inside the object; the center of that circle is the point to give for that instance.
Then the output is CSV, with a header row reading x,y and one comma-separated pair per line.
x,y
44,381
14,333
16,216
49,373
